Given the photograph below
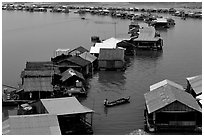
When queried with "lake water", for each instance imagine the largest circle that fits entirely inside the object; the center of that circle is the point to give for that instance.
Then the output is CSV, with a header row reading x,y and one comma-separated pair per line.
x,y
35,36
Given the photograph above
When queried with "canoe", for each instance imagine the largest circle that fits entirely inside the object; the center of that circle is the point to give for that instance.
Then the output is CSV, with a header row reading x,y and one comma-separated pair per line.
x,y
117,102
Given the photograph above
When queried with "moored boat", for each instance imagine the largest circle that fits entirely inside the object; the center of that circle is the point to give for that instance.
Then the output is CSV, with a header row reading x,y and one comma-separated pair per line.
x,y
116,102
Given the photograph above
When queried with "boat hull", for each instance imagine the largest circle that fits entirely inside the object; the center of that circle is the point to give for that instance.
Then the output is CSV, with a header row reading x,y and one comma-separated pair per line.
x,y
118,102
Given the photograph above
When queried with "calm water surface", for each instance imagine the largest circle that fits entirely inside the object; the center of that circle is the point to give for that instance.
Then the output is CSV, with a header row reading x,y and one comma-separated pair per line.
x,y
35,37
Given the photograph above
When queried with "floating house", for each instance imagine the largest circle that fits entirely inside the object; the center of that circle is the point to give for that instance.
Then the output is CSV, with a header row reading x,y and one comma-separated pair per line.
x,y
56,116
147,39
73,82
37,80
110,43
70,76
134,28
169,107
162,22
71,115
37,87
111,58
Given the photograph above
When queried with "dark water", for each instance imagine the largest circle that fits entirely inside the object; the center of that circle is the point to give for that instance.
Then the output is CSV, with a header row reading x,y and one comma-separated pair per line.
x,y
35,36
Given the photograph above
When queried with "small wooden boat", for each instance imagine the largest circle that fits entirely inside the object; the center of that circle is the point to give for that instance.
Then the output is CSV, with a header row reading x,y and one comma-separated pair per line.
x,y
14,102
117,102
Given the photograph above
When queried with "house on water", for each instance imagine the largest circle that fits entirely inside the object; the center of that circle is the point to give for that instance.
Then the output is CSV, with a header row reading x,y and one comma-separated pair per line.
x,y
111,59
36,84
147,39
72,59
110,43
162,23
37,80
73,82
169,107
55,116
68,110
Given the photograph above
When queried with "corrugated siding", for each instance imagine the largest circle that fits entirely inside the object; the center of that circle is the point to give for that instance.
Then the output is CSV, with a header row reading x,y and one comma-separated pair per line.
x,y
119,64
38,84
102,64
111,54
176,106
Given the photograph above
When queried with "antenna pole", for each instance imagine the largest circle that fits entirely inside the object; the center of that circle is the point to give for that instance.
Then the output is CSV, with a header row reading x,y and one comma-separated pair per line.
x,y
115,29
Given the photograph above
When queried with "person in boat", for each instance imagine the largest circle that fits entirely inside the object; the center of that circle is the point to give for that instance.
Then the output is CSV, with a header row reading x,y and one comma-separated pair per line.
x,y
105,101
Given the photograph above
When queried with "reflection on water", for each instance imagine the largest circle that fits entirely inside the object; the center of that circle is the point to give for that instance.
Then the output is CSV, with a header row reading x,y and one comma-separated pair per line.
x,y
106,111
112,81
149,55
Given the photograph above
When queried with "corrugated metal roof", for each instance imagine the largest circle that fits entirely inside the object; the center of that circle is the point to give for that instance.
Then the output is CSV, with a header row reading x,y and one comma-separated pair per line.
x,y
42,124
147,34
108,44
79,49
165,82
64,106
44,65
87,56
79,61
165,95
111,54
70,73
37,73
196,83
37,84
40,73
60,58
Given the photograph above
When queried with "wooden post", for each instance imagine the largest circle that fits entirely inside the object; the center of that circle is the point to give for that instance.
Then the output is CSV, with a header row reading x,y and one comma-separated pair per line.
x,y
92,69
39,94
91,119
